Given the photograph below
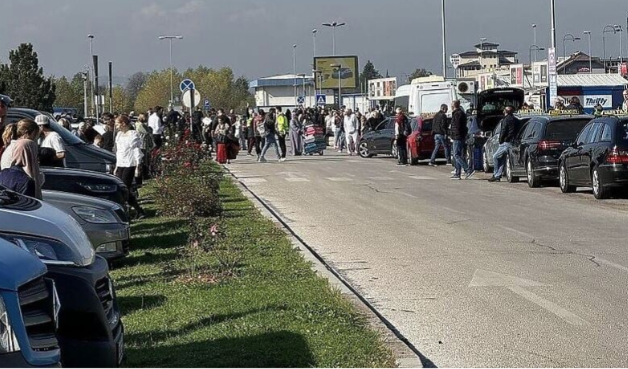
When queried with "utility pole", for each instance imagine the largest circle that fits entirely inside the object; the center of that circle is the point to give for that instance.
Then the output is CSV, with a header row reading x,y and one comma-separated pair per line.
x,y
553,10
294,67
334,25
444,39
91,75
170,38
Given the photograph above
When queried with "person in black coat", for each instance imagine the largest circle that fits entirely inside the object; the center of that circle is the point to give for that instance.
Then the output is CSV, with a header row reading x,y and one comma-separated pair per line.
x,y
440,130
510,127
459,131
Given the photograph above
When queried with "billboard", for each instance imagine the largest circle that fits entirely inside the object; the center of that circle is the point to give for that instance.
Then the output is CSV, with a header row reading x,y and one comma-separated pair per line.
x,y
382,88
331,77
516,75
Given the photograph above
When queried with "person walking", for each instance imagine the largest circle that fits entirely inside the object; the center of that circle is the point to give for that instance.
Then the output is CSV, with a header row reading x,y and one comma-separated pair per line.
x,y
250,133
156,124
402,131
146,135
128,158
260,131
108,138
440,127
296,135
351,131
459,132
509,128
270,132
220,136
282,131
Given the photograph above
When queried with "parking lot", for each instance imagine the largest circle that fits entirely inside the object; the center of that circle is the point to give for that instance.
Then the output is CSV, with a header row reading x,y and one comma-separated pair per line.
x,y
472,273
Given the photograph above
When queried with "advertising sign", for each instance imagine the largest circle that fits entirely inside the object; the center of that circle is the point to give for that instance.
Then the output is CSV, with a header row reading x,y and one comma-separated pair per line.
x,y
382,88
590,101
346,75
516,75
552,75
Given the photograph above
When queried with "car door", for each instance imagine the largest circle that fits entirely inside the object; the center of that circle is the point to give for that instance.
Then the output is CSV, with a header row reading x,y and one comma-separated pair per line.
x,y
583,172
375,142
493,144
515,151
385,137
571,156
530,137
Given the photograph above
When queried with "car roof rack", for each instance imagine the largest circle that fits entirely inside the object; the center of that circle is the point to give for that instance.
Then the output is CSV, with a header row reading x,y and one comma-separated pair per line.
x,y
551,113
615,113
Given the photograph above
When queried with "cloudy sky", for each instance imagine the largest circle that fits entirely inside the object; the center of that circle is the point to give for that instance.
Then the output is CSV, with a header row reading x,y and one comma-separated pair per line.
x,y
255,37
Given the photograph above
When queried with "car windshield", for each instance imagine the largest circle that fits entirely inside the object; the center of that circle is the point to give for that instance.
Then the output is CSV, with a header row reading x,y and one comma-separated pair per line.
x,y
495,104
565,129
430,103
622,133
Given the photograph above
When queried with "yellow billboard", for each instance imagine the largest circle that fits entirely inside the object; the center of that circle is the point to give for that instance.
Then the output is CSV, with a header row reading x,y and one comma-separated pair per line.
x,y
336,71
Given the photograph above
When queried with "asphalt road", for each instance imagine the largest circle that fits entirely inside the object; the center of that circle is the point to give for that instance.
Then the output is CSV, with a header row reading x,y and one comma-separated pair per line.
x,y
474,274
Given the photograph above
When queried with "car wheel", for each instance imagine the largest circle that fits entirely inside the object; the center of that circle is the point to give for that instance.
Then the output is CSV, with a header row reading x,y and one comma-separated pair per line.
x,y
599,190
533,180
364,150
509,177
485,166
393,150
563,177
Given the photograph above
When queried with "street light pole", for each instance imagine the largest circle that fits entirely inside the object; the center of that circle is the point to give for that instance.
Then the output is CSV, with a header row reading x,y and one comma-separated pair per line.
x,y
444,35
588,33
314,32
619,29
294,67
573,39
91,74
607,29
553,15
170,38
334,25
535,43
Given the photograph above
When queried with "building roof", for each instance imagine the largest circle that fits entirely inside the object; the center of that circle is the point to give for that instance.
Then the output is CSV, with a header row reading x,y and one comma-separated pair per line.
x,y
577,57
281,80
591,80
473,64
475,54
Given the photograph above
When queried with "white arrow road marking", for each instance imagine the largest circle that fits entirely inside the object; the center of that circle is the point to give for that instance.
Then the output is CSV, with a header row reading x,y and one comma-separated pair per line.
x,y
484,278
424,178
340,179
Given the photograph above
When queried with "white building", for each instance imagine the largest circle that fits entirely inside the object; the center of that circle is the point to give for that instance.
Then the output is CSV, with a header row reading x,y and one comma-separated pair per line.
x,y
485,58
280,91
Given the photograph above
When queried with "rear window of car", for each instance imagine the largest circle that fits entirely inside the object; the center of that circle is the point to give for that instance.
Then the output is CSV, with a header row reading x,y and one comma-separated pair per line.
x,y
565,129
427,125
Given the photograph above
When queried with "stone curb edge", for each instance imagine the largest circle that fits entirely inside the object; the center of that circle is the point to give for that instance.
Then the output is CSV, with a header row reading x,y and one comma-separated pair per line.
x,y
407,356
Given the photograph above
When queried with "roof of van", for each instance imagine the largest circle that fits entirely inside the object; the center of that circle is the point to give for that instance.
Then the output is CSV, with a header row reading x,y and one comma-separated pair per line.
x,y
403,90
430,79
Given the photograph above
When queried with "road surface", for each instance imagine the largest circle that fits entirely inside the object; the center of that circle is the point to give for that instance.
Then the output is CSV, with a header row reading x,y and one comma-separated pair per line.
x,y
472,273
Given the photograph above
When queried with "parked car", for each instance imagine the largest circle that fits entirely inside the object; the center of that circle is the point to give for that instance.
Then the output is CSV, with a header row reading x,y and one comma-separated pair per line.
x,y
84,182
106,223
79,154
421,141
492,144
342,73
380,141
90,333
29,308
598,158
538,145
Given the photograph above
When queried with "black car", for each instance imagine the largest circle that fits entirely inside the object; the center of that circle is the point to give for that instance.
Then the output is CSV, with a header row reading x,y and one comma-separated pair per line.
x,y
381,140
78,153
538,145
84,182
598,158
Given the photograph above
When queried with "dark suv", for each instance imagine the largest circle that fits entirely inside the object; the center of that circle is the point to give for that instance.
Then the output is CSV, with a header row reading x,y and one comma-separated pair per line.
x,y
538,145
598,158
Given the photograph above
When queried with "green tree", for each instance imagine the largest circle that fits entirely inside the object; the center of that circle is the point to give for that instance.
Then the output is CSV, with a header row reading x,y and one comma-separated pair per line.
x,y
369,72
68,94
156,90
25,81
419,73
121,100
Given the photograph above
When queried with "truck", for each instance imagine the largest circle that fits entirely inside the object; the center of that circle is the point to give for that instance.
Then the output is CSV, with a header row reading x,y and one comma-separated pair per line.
x,y
427,94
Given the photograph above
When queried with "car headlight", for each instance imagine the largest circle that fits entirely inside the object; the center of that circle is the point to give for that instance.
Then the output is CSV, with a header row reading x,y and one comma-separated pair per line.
x,y
107,247
95,215
49,251
8,341
109,168
95,187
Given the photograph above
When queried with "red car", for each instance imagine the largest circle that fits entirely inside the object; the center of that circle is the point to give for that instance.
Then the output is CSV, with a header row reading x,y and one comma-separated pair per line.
x,y
421,141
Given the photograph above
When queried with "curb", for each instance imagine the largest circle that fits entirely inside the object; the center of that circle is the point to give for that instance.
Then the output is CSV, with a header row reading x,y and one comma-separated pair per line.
x,y
407,356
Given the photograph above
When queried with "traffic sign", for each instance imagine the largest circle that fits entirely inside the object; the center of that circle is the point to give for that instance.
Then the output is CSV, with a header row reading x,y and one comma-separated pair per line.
x,y
301,100
552,75
206,104
321,100
186,84
187,97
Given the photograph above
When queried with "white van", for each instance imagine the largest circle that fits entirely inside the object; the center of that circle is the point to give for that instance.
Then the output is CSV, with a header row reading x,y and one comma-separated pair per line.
x,y
402,97
427,94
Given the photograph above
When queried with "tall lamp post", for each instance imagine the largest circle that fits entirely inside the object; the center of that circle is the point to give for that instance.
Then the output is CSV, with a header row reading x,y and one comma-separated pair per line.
x,y
534,39
337,67
314,32
607,29
170,38
91,71
569,37
444,38
588,33
294,68
619,29
334,25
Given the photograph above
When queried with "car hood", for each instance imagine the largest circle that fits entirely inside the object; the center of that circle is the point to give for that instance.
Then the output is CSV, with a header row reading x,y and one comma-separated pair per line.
x,y
17,266
80,173
67,200
47,221
99,152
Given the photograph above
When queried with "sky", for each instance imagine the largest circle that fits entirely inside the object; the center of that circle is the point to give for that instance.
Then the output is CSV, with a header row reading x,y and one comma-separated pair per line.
x,y
255,37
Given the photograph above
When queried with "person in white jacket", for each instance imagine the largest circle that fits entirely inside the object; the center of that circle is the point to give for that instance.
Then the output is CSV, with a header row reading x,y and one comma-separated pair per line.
x,y
351,131
128,158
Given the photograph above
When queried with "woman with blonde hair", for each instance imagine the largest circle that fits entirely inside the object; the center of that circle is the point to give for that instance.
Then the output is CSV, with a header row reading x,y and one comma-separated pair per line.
x,y
24,129
23,174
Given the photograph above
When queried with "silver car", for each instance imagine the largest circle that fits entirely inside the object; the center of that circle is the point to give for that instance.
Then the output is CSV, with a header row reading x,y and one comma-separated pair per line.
x,y
104,222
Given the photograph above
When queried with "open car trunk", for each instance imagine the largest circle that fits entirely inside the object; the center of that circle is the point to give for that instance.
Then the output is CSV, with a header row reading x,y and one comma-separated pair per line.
x,y
491,104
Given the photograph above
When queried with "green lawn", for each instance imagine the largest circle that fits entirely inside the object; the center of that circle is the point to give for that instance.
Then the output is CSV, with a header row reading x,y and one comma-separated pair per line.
x,y
275,312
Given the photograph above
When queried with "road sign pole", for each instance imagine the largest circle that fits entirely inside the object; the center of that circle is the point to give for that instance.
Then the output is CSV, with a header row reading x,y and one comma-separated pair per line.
x,y
192,92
